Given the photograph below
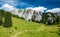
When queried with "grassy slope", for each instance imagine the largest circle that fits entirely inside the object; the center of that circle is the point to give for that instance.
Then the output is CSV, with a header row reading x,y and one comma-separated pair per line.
x,y
33,29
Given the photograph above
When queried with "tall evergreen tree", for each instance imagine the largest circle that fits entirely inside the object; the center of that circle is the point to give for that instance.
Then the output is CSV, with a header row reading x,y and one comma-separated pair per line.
x,y
7,20
1,17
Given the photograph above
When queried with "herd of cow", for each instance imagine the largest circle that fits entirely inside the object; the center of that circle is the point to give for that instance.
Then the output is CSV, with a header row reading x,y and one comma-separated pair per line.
x,y
38,16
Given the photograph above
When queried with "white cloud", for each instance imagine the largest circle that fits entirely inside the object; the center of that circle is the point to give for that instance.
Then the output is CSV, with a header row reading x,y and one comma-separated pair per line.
x,y
22,4
55,10
7,7
15,3
10,8
38,8
11,2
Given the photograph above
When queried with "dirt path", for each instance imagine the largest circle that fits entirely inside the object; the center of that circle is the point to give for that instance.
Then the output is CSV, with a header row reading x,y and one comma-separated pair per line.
x,y
17,34
24,31
30,30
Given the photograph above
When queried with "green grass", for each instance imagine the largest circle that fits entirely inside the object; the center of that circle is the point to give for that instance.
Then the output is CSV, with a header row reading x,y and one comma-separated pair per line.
x,y
38,34
33,29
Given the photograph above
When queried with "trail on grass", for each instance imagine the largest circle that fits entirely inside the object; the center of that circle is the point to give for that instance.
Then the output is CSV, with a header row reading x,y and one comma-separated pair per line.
x,y
21,33
17,34
40,29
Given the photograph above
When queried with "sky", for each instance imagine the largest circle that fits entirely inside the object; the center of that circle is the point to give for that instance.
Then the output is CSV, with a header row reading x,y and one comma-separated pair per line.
x,y
31,3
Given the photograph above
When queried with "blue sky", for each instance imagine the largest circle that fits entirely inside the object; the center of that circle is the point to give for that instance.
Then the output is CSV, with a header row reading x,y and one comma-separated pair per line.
x,y
32,3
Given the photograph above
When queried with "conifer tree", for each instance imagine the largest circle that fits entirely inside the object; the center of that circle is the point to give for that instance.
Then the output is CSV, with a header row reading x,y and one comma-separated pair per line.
x,y
1,18
7,20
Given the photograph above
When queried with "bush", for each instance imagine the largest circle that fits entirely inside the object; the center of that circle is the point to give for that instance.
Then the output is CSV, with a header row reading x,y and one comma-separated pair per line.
x,y
7,20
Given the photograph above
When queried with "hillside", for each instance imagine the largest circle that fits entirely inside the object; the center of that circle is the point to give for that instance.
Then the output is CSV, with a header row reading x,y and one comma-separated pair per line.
x,y
23,28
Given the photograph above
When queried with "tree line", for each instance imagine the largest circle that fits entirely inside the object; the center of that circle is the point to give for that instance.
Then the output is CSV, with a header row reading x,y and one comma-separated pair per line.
x,y
5,18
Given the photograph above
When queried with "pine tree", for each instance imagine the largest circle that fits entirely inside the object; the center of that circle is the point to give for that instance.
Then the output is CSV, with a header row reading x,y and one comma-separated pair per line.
x,y
1,17
8,20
